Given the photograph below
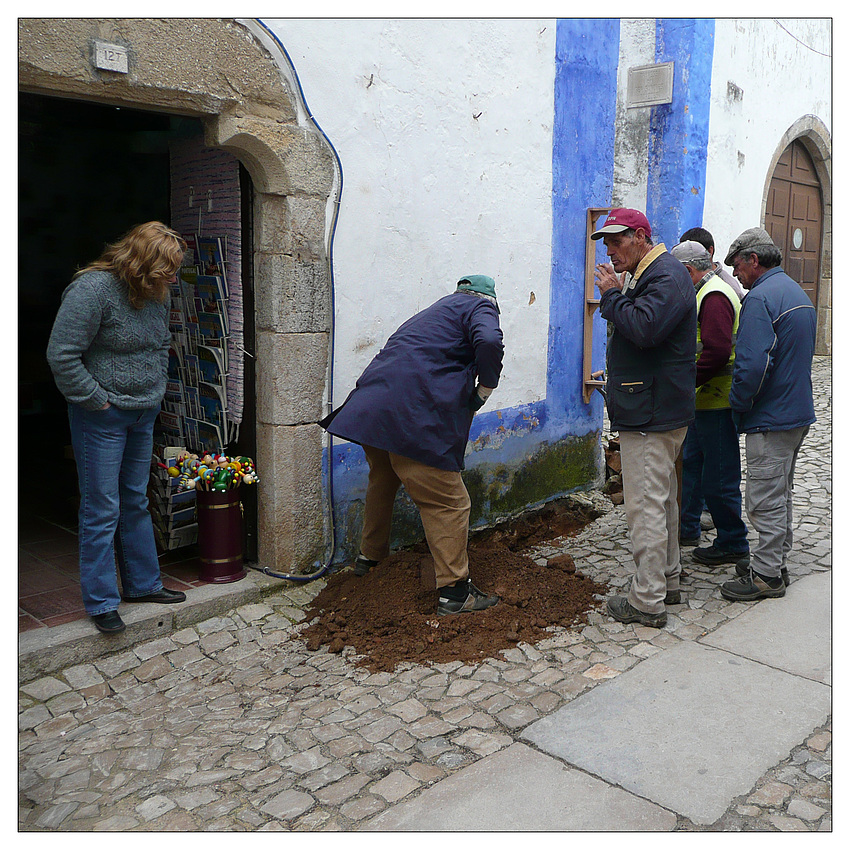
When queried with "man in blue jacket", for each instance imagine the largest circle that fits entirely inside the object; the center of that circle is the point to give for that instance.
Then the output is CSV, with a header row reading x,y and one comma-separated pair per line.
x,y
411,410
772,401
650,388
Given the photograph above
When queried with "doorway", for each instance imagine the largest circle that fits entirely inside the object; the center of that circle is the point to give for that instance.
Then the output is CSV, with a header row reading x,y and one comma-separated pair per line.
x,y
794,217
86,173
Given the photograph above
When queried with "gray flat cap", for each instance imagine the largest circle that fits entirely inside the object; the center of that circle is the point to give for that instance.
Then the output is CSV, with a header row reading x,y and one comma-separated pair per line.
x,y
755,237
687,252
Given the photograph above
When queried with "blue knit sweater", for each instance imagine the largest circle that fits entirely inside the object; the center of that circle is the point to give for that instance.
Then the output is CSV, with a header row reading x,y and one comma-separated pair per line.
x,y
103,349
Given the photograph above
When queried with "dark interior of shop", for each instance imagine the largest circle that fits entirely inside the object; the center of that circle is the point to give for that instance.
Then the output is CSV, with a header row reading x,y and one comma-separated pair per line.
x,y
86,173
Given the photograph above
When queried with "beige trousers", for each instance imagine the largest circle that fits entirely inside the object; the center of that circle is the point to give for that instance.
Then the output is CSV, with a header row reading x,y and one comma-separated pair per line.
x,y
650,493
443,504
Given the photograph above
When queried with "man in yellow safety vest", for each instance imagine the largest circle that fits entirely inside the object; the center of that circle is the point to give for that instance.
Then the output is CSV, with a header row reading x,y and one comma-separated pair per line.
x,y
711,466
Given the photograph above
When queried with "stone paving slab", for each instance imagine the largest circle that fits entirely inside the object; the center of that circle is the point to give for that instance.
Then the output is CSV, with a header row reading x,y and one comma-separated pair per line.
x,y
671,729
519,789
793,633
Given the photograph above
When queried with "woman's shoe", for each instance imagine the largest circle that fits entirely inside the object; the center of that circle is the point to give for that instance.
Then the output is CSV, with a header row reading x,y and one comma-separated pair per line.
x,y
162,596
109,622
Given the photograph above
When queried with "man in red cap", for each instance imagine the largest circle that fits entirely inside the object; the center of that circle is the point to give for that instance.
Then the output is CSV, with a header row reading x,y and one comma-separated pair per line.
x,y
648,299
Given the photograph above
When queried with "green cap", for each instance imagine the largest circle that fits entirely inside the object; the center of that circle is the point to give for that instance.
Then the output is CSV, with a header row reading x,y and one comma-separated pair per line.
x,y
478,283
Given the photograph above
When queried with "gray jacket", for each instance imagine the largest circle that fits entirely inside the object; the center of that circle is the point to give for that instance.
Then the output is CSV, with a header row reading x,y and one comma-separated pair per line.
x,y
102,349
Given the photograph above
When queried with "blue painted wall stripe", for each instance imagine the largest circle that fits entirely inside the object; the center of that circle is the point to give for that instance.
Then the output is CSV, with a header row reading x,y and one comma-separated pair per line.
x,y
678,138
586,59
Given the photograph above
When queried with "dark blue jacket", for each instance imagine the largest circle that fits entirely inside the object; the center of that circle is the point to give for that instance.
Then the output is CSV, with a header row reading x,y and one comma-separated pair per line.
x,y
651,355
413,398
772,378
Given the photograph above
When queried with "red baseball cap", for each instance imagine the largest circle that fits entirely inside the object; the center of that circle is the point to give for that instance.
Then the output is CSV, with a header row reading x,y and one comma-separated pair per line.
x,y
621,219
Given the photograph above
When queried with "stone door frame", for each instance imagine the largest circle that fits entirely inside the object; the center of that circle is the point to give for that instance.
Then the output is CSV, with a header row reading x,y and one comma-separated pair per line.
x,y
232,76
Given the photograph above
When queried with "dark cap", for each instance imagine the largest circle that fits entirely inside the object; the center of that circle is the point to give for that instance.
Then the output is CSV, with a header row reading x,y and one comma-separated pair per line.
x,y
749,240
621,219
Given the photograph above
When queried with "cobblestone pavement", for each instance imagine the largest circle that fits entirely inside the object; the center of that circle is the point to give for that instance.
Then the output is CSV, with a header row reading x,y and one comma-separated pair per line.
x,y
232,725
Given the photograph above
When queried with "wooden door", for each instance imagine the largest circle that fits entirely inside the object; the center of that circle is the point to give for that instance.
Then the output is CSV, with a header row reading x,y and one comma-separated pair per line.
x,y
794,217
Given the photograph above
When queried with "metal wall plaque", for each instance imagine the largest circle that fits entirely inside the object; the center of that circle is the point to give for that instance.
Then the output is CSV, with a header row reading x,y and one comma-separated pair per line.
x,y
650,85
110,57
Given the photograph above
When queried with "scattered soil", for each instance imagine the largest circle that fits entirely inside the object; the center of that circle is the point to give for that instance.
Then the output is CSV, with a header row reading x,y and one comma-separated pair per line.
x,y
613,487
389,615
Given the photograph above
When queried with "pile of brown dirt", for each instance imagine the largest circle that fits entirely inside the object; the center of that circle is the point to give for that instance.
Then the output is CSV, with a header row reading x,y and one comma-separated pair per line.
x,y
389,615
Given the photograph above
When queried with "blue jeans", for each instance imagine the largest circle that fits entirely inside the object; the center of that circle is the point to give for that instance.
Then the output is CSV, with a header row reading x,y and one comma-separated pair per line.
x,y
113,450
711,469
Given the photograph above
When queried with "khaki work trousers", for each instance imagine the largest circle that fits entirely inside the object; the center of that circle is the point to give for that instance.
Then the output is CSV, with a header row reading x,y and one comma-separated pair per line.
x,y
650,494
443,504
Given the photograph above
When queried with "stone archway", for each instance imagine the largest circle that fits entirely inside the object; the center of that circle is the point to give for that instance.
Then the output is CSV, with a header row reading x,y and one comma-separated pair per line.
x,y
221,72
813,135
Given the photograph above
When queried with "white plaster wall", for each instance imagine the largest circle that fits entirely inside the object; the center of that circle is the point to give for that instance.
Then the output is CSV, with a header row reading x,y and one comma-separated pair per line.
x,y
444,130
775,80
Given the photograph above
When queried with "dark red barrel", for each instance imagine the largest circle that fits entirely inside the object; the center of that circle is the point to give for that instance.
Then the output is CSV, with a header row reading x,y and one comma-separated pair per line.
x,y
220,535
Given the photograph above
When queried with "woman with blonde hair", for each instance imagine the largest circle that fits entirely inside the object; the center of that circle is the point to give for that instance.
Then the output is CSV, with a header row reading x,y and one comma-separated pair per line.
x,y
108,351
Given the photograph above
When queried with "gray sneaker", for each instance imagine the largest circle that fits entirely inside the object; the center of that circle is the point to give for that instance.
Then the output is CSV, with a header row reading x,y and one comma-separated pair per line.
x,y
475,600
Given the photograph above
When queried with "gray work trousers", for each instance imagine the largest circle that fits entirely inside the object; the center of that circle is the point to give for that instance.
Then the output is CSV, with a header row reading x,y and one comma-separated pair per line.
x,y
771,458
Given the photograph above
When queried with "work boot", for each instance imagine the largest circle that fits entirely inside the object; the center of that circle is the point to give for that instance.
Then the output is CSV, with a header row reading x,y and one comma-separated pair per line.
x,y
689,541
463,596
751,587
745,571
622,610
673,597
363,565
713,556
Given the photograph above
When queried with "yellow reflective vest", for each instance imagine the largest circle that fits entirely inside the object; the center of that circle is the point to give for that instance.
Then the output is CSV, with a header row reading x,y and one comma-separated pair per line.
x,y
714,393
